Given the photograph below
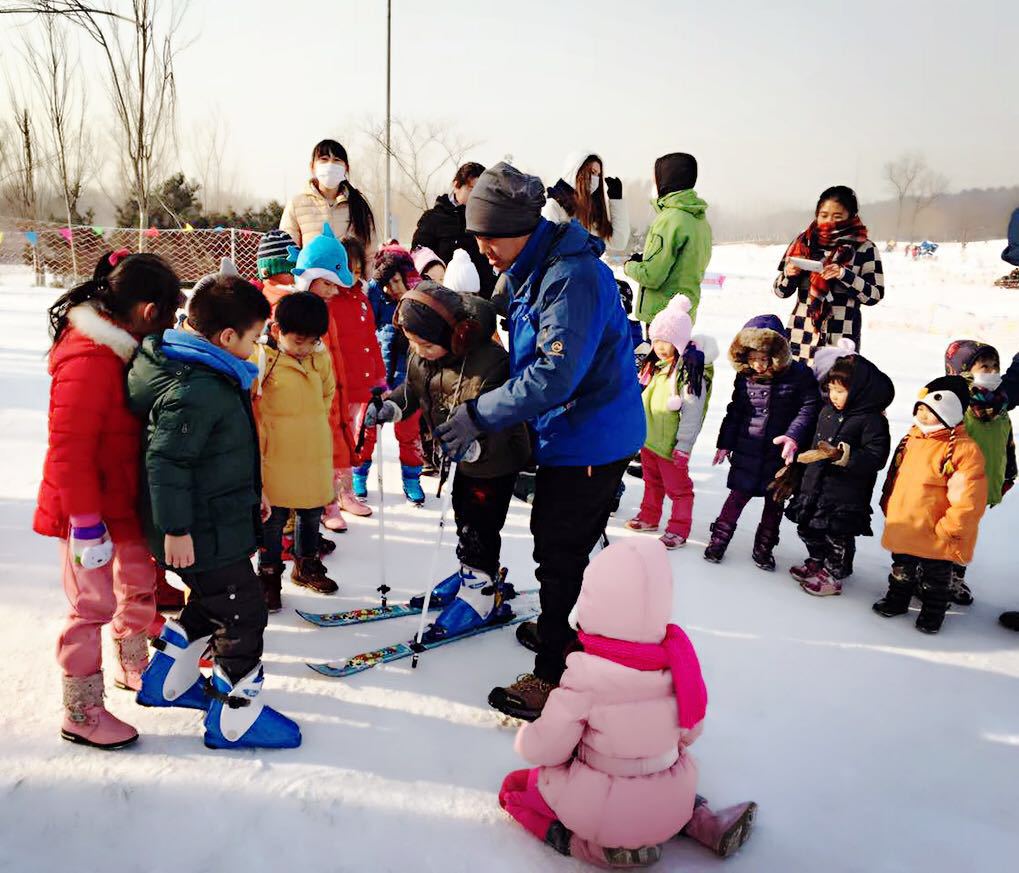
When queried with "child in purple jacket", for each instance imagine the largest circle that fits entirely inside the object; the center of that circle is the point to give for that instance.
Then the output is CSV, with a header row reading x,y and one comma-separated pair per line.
x,y
773,411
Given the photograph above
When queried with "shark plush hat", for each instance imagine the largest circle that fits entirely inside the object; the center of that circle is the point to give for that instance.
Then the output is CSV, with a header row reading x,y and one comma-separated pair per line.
x,y
323,258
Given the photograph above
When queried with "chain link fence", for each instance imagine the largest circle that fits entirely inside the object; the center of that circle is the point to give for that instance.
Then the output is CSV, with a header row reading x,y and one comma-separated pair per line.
x,y
62,256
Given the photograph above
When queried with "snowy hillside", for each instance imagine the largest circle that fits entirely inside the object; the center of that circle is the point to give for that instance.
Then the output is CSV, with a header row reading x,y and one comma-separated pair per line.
x,y
869,746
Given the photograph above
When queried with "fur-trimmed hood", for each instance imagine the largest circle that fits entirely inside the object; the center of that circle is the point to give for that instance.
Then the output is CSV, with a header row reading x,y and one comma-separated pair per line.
x,y
90,322
764,333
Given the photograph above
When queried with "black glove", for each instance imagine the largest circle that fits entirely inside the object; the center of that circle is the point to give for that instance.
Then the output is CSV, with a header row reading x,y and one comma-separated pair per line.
x,y
636,256
625,295
614,188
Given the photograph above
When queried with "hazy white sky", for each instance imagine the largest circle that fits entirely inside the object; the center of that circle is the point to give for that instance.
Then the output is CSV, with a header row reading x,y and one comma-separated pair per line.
x,y
776,99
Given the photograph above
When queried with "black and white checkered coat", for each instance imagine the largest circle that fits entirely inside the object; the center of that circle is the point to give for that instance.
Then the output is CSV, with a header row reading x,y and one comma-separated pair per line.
x,y
864,285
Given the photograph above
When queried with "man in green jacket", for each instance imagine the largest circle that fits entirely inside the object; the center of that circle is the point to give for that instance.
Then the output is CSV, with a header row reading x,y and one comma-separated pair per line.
x,y
678,245
204,509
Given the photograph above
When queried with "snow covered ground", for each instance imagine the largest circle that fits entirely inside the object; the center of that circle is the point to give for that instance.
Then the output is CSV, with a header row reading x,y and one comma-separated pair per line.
x,y
869,746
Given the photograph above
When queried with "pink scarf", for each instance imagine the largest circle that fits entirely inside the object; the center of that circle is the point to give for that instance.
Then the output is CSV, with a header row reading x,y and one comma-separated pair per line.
x,y
675,653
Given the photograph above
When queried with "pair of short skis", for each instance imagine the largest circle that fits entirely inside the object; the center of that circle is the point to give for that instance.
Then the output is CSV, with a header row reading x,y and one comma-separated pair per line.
x,y
387,654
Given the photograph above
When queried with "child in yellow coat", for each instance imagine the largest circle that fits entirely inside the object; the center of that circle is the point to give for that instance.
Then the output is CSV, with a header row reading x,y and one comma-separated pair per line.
x,y
293,395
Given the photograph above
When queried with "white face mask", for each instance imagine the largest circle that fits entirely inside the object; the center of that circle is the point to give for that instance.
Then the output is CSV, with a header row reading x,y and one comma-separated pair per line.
x,y
593,182
330,175
987,381
928,428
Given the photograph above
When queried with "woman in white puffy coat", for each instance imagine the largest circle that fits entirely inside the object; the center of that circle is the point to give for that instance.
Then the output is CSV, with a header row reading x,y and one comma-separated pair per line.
x,y
596,202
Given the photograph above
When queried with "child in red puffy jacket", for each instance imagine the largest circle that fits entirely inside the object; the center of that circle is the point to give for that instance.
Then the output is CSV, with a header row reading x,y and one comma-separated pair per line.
x,y
89,492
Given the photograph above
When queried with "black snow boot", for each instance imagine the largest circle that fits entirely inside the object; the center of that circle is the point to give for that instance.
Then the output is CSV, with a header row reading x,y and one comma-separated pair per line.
x,y
934,599
896,600
721,535
764,547
1009,620
527,635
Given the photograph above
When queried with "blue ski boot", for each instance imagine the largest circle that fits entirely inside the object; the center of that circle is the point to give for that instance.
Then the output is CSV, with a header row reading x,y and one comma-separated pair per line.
x,y
172,677
442,594
237,719
479,602
412,484
360,480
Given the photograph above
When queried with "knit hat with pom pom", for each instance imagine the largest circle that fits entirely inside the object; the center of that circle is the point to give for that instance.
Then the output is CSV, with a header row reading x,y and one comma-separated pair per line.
x,y
673,324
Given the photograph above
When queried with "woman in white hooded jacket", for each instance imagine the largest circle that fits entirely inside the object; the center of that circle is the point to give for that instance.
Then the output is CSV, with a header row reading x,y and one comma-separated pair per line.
x,y
581,194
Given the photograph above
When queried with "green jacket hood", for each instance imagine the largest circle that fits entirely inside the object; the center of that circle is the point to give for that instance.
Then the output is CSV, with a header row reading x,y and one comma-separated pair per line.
x,y
688,201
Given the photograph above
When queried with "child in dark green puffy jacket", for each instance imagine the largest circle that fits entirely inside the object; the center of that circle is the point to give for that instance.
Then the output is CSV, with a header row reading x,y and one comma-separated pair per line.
x,y
988,423
202,462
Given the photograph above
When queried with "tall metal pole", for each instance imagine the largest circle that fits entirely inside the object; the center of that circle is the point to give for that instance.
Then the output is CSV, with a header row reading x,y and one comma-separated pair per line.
x,y
389,151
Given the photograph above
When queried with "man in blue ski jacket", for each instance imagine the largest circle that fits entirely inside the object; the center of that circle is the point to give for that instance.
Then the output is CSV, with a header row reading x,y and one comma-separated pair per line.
x,y
573,380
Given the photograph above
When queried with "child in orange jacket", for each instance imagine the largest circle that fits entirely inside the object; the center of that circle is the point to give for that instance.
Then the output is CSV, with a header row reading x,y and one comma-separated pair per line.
x,y
933,500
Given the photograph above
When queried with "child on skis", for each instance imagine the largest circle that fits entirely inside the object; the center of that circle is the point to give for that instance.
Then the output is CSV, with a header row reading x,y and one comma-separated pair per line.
x,y
614,777
850,447
934,496
192,386
773,411
988,423
452,360
678,374
322,269
393,275
293,395
89,492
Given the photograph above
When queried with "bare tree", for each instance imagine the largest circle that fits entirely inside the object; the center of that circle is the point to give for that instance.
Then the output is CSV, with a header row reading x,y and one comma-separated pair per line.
x,y
138,42
902,175
18,168
929,188
208,152
51,65
422,152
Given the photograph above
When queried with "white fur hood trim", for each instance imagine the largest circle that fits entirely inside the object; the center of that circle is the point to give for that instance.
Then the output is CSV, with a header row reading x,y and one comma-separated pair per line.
x,y
86,319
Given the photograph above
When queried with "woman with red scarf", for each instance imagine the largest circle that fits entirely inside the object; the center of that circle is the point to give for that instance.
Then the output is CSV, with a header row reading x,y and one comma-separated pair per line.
x,y
828,299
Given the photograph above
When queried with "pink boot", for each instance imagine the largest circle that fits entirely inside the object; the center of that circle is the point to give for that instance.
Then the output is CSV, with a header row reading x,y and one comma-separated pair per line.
x,y
723,832
132,659
86,720
348,502
332,519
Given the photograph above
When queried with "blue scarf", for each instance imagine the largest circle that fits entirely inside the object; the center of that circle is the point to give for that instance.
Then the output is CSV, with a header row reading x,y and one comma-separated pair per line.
x,y
179,345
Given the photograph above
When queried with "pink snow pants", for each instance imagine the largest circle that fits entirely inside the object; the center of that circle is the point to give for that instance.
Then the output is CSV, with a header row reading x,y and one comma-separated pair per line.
x,y
666,477
121,594
520,797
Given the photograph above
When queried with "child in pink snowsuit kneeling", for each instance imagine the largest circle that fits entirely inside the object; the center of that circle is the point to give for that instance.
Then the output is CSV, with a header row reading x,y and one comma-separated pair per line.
x,y
614,777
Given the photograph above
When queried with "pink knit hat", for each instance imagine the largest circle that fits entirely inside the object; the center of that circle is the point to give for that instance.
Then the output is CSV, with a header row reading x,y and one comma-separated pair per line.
x,y
673,324
424,258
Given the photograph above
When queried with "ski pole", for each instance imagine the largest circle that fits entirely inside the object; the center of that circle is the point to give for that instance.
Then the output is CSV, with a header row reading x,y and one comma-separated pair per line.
x,y
376,401
447,500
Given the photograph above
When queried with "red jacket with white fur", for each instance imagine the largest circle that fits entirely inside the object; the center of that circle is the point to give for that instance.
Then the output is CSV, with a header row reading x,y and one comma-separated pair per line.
x,y
94,455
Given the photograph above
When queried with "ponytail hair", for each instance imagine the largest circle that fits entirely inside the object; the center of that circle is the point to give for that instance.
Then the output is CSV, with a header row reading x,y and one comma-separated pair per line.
x,y
119,282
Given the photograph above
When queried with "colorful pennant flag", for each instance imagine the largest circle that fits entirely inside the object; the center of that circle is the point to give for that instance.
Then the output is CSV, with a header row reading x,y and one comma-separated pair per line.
x,y
66,233
188,228
152,232
1,237
32,237
98,231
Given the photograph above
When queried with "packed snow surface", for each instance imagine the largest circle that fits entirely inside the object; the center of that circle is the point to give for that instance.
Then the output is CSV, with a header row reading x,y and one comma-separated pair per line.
x,y
869,746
